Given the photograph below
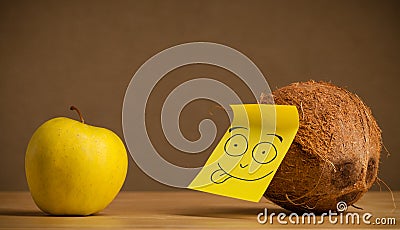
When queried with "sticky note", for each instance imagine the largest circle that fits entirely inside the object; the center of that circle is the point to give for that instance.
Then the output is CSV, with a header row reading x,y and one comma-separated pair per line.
x,y
245,160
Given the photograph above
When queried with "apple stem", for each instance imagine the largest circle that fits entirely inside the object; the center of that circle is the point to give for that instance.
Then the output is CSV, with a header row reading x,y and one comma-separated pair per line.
x,y
79,113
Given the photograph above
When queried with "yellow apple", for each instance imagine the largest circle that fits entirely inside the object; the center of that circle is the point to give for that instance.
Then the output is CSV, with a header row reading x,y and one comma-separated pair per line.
x,y
73,168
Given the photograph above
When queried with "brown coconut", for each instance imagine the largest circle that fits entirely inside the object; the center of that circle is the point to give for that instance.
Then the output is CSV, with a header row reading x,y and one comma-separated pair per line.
x,y
335,154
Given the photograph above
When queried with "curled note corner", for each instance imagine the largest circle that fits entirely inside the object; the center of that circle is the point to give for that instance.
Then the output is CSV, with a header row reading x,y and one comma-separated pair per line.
x,y
248,155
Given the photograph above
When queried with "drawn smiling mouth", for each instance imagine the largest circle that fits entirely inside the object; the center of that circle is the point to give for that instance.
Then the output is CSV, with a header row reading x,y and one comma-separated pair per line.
x,y
219,176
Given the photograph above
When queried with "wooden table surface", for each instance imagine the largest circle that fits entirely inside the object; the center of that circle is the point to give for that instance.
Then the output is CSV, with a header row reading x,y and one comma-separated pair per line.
x,y
187,209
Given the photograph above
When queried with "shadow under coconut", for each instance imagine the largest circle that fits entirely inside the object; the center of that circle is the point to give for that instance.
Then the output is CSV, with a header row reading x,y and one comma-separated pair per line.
x,y
228,212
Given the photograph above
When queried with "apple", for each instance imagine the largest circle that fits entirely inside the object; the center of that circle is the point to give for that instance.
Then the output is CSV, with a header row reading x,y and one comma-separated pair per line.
x,y
73,168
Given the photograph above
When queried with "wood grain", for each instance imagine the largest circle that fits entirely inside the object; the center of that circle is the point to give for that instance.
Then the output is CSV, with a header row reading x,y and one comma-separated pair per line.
x,y
186,209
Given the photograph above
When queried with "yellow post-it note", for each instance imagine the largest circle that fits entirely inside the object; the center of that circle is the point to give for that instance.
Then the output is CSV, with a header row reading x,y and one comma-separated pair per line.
x,y
250,152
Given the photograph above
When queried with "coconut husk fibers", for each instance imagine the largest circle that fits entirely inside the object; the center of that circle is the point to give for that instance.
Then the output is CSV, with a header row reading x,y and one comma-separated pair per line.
x,y
335,154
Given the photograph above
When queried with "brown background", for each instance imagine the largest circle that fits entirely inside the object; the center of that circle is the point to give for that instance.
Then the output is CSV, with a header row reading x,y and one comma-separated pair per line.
x,y
57,53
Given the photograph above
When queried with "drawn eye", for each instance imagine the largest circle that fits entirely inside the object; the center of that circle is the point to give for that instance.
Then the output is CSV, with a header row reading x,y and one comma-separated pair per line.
x,y
236,145
264,152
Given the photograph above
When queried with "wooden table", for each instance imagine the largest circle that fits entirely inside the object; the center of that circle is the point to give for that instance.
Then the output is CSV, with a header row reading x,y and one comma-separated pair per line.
x,y
186,209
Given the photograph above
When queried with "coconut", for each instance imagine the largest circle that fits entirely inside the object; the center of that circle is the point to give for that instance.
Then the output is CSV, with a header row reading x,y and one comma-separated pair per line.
x,y
335,154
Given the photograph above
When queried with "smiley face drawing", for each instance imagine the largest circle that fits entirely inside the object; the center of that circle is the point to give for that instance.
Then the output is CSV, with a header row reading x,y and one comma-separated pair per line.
x,y
263,153
245,160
